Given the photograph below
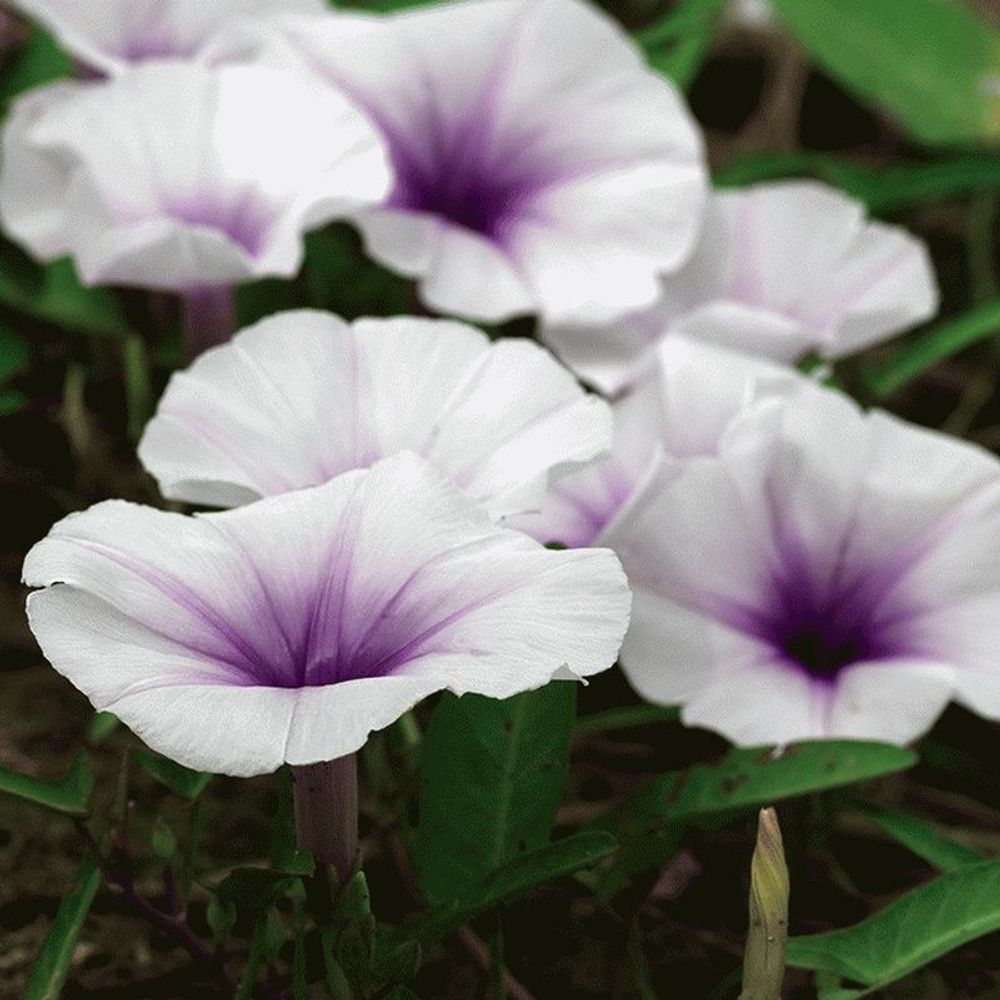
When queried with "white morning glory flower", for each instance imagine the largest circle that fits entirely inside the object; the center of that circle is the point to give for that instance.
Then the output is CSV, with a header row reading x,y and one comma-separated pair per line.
x,y
828,573
303,396
782,270
111,35
177,176
679,410
541,166
288,630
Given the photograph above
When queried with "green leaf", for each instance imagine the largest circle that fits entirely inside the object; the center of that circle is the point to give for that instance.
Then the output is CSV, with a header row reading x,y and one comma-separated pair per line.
x,y
883,189
12,401
649,823
284,854
48,974
64,301
677,44
220,917
255,301
70,795
102,725
752,778
533,868
180,780
266,940
354,933
383,6
627,717
39,61
341,278
492,776
53,294
933,64
924,840
163,840
13,353
252,890
935,345
918,928
393,961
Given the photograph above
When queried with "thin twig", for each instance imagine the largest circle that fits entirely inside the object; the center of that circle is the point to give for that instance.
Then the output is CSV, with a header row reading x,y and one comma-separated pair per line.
x,y
177,929
480,954
118,871
470,941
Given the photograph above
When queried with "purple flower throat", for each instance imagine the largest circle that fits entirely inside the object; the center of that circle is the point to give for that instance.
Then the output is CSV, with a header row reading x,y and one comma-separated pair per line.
x,y
464,195
822,626
464,172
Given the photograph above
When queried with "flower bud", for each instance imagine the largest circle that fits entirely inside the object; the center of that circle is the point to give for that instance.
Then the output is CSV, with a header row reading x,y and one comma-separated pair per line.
x,y
764,959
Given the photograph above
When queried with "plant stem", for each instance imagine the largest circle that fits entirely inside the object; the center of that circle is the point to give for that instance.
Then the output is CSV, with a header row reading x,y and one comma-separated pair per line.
x,y
638,963
982,219
254,960
176,928
498,970
480,954
326,813
409,729
625,718
138,387
209,318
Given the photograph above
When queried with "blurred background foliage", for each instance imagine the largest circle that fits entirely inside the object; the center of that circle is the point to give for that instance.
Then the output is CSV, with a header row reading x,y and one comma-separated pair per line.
x,y
896,102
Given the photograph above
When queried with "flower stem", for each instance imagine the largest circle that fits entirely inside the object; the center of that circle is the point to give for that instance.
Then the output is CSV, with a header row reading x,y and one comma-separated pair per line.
x,y
326,813
138,387
209,318
498,968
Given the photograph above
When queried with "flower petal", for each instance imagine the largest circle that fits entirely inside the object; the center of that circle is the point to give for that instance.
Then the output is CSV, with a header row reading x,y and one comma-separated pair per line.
x,y
780,270
841,565
175,175
115,33
471,276
761,704
886,285
301,397
684,406
287,630
29,177
891,702
563,175
700,650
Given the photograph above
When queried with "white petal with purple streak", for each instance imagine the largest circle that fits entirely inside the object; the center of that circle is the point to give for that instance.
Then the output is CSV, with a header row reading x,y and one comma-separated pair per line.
x,y
177,176
111,35
827,573
286,631
780,270
303,396
540,165
682,407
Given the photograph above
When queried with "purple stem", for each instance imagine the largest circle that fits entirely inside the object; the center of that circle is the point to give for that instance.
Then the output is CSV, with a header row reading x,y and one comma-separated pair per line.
x,y
209,318
326,813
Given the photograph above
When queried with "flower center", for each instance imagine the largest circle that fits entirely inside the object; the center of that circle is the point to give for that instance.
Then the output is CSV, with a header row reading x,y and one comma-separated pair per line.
x,y
824,627
465,195
823,652
466,173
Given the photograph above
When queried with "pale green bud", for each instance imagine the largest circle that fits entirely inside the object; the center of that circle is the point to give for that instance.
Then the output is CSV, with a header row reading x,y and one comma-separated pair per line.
x,y
764,959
